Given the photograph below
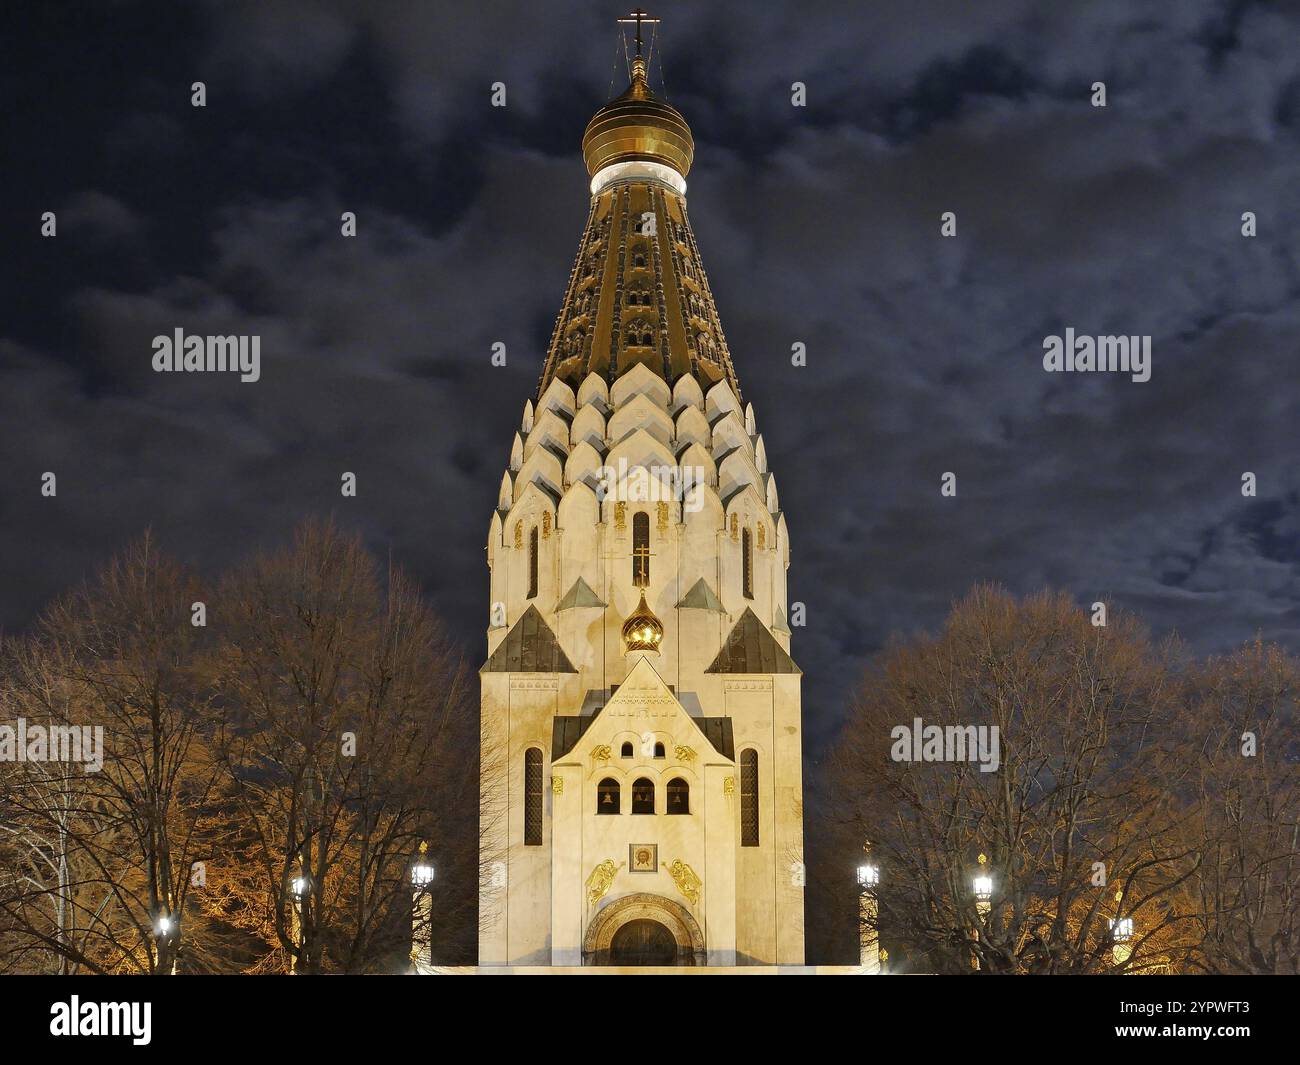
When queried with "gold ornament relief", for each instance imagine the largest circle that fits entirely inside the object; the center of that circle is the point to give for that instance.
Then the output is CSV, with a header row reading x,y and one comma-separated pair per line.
x,y
735,527
729,786
688,883
684,753
546,527
600,881
762,536
620,515
557,785
662,509
519,534
601,753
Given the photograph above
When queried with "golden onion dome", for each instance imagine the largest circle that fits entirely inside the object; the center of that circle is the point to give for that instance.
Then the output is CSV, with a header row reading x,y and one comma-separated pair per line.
x,y
637,127
642,631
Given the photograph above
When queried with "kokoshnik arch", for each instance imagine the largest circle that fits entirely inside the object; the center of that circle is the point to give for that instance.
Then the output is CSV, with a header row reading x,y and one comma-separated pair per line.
x,y
639,694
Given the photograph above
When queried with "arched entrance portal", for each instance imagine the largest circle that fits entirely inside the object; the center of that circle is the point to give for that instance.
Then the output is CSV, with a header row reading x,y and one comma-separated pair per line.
x,y
643,942
643,929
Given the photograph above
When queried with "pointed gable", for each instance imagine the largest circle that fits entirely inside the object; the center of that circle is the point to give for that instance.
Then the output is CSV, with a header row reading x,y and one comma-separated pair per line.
x,y
750,648
579,595
642,689
529,647
701,597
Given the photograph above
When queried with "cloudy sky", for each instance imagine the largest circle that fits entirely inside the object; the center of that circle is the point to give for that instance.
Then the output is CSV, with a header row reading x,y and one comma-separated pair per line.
x,y
818,224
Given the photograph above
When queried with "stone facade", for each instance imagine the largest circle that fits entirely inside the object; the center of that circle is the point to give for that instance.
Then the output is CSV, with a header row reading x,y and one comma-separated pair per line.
x,y
638,471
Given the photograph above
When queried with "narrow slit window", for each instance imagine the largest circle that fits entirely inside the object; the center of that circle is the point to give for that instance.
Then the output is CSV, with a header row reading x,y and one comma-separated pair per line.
x,y
532,563
747,563
749,798
533,797
641,549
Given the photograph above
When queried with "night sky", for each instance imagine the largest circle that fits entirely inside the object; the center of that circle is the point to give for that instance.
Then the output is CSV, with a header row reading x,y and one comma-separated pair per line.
x,y
818,225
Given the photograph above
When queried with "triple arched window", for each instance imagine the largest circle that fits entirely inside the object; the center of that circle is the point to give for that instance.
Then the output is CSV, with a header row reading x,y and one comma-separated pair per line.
x,y
609,795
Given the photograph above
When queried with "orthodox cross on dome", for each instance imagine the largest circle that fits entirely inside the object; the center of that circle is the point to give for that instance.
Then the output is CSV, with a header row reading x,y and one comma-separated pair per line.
x,y
636,18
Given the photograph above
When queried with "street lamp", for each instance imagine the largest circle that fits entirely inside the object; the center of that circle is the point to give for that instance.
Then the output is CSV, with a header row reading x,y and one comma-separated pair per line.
x,y
1121,933
422,907
299,888
164,928
868,912
983,888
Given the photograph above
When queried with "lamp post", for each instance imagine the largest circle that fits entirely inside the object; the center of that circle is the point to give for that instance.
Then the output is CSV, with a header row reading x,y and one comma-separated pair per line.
x,y
298,889
164,930
421,907
868,911
982,886
1121,934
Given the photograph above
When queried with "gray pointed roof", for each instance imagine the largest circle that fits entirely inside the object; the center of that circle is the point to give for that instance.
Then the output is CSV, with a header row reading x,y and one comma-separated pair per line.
x,y
701,596
579,595
529,647
750,648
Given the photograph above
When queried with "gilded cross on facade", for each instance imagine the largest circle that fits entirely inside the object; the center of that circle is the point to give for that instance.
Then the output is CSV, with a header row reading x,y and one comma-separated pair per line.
x,y
641,556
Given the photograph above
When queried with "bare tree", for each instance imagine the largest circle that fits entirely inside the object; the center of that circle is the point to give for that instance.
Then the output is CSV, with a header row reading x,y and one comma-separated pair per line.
x,y
1242,721
103,855
1079,826
348,738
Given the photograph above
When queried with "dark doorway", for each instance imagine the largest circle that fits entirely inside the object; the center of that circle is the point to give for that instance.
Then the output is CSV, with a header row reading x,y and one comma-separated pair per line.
x,y
643,942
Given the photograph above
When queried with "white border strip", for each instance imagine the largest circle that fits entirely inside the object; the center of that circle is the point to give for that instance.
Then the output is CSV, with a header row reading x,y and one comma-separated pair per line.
x,y
637,168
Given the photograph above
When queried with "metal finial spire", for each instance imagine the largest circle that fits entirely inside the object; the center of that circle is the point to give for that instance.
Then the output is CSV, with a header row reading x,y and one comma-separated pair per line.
x,y
636,18
639,18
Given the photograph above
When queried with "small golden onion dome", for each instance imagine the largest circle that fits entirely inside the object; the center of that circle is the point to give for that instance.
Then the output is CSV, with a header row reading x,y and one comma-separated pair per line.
x,y
636,126
642,631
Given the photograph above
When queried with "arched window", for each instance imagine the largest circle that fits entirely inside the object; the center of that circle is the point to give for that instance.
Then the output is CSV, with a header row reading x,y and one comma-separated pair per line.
x,y
659,750
532,563
627,750
607,797
533,797
747,564
641,549
643,796
749,798
679,796
639,334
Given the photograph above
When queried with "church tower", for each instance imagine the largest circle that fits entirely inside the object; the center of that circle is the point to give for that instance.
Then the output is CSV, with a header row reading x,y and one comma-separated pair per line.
x,y
641,734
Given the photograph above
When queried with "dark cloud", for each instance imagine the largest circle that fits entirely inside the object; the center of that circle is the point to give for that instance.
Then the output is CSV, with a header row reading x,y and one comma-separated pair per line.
x,y
817,225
